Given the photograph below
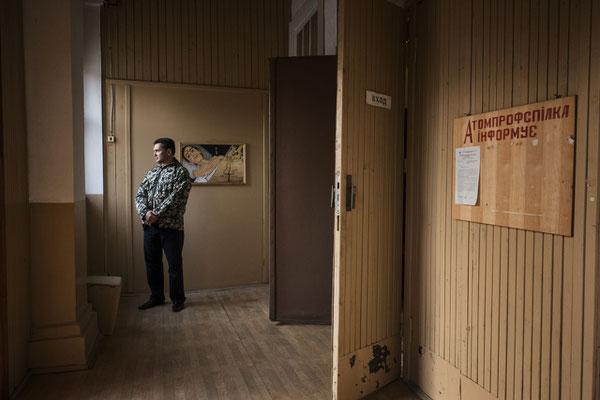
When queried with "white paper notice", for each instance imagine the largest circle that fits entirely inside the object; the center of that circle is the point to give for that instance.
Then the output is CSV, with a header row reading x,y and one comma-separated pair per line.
x,y
468,162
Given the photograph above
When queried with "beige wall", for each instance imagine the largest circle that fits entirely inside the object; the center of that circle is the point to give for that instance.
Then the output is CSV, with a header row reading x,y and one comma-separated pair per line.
x,y
225,226
52,256
14,169
500,312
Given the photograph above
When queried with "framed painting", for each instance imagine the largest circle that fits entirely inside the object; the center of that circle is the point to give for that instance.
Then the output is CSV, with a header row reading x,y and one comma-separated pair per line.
x,y
214,164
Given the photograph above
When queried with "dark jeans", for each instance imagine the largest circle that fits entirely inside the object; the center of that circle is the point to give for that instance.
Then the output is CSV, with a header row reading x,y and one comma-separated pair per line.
x,y
171,241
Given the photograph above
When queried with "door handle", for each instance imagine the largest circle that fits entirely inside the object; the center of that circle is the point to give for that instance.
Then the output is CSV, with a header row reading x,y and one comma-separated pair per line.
x,y
332,196
350,194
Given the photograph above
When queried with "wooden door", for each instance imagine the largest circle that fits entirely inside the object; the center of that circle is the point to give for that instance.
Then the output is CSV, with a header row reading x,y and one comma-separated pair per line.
x,y
303,104
368,237
4,380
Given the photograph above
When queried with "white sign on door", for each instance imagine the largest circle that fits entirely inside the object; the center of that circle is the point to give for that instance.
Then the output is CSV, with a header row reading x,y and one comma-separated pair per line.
x,y
379,100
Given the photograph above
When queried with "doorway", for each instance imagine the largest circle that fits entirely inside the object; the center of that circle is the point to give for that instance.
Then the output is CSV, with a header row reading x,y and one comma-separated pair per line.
x,y
368,199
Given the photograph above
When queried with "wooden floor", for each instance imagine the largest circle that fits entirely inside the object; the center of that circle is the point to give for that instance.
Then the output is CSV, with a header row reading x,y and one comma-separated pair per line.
x,y
222,346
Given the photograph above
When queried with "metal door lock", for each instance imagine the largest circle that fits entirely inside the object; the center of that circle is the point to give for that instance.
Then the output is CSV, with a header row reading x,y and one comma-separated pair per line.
x,y
350,194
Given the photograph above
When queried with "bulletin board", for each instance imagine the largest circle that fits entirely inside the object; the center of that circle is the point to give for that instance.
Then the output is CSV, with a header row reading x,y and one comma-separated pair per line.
x,y
525,171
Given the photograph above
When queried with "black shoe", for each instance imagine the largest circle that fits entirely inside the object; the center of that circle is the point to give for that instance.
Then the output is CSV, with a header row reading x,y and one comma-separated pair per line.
x,y
150,303
178,307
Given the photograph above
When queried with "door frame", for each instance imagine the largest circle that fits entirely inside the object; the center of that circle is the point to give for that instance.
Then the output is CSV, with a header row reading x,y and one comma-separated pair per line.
x,y
271,188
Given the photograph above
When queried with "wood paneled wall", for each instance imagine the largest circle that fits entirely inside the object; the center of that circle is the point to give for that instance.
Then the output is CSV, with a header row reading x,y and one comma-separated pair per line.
x,y
513,311
207,42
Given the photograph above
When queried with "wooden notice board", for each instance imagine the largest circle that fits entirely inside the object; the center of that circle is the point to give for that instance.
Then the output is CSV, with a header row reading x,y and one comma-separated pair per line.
x,y
526,166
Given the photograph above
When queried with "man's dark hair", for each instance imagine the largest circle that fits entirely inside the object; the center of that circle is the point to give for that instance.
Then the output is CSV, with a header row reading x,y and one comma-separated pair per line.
x,y
167,143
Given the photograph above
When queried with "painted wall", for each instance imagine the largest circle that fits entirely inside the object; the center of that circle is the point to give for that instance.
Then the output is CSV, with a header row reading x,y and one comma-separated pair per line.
x,y
203,42
14,170
225,226
491,311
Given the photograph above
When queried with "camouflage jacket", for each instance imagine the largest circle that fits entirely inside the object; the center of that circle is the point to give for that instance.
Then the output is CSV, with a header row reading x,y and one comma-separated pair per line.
x,y
165,191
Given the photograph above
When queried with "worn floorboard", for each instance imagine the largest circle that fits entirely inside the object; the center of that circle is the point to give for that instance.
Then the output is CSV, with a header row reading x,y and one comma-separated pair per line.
x,y
222,346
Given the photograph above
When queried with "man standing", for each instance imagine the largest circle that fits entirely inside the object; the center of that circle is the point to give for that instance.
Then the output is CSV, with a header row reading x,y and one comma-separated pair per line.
x,y
160,202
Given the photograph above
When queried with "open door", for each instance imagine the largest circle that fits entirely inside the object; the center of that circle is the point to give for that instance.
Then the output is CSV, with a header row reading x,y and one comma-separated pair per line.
x,y
368,218
4,379
303,107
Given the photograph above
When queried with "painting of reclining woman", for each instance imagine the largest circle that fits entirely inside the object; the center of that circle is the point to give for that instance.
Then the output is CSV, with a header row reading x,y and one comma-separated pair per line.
x,y
221,164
